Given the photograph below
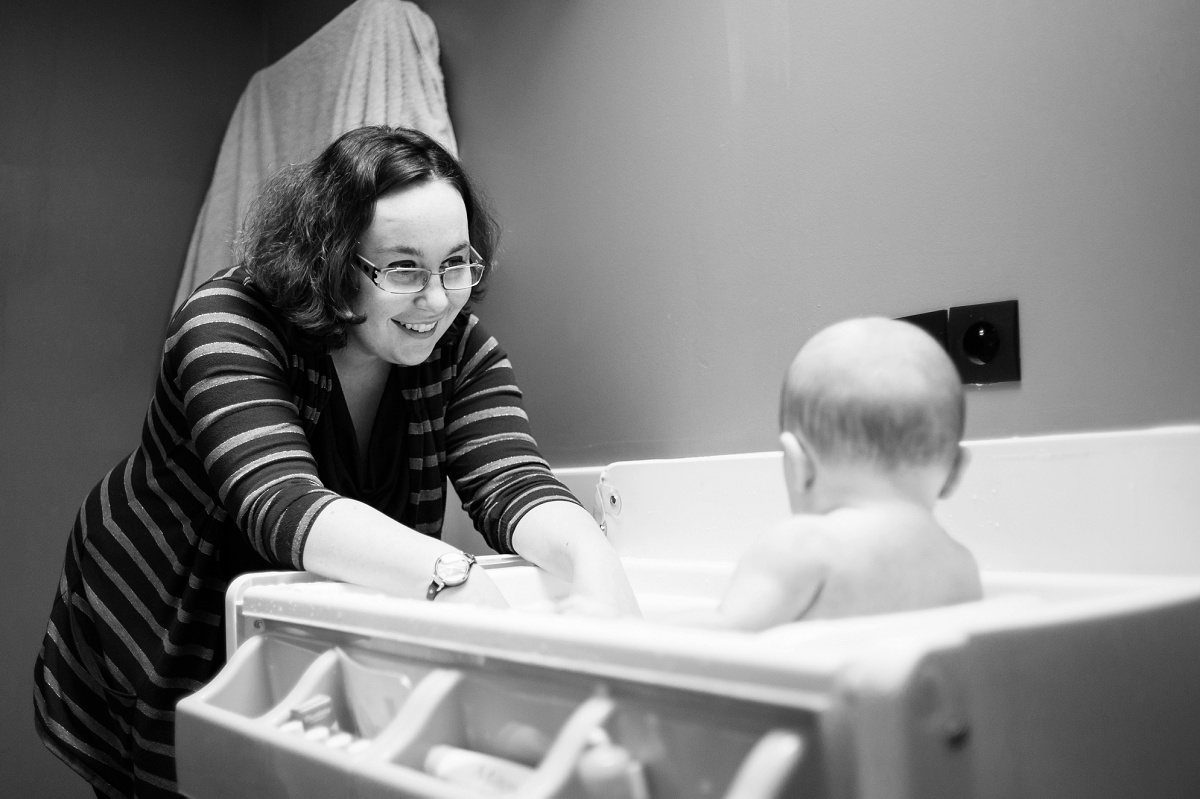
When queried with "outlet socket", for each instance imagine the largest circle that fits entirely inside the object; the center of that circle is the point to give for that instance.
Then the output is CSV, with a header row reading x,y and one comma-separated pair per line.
x,y
932,322
984,342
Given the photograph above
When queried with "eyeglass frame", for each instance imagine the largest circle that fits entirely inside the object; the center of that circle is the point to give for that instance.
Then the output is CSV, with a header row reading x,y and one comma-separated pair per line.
x,y
374,272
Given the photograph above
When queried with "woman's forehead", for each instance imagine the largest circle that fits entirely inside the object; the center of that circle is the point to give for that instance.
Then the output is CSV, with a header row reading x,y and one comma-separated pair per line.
x,y
418,220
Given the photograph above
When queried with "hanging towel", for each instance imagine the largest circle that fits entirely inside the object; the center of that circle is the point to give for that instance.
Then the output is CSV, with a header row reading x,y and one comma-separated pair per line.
x,y
375,63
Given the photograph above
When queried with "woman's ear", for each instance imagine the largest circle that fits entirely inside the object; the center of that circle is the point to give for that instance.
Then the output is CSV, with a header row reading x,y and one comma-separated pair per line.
x,y
962,457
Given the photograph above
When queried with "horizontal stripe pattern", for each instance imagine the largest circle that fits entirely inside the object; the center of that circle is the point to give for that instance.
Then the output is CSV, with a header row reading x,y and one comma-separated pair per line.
x,y
224,480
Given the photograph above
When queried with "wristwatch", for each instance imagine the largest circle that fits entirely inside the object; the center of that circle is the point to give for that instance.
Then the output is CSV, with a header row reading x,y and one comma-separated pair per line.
x,y
449,570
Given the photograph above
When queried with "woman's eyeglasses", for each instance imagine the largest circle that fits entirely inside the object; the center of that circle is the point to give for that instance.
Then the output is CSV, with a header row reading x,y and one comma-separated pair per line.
x,y
412,279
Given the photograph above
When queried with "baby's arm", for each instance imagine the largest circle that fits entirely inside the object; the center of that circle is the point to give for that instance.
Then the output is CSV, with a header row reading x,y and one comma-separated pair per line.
x,y
775,581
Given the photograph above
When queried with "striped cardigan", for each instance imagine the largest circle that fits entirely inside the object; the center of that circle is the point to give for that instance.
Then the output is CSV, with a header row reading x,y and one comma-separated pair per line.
x,y
225,479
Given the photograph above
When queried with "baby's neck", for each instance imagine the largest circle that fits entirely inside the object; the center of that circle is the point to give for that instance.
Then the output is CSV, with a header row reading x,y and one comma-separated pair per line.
x,y
857,486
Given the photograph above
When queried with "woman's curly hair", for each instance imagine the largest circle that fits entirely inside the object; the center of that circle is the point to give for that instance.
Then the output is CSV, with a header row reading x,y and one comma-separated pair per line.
x,y
300,237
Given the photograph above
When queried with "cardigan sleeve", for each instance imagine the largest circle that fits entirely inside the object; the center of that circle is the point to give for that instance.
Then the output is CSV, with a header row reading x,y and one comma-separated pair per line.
x,y
492,457
230,370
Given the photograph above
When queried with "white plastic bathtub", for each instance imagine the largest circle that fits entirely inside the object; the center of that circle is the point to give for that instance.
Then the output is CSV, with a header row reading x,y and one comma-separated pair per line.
x,y
1059,683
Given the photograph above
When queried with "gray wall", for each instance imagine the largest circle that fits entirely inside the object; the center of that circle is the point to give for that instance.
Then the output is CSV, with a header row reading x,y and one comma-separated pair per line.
x,y
688,189
111,115
691,187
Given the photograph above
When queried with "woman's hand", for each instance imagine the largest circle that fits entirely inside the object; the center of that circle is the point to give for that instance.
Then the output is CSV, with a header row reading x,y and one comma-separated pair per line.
x,y
562,538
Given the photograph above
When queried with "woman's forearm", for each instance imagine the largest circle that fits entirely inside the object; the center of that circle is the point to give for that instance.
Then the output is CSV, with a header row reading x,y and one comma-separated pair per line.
x,y
562,538
352,542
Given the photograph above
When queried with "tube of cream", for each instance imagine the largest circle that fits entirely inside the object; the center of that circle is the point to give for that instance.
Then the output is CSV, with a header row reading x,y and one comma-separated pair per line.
x,y
484,773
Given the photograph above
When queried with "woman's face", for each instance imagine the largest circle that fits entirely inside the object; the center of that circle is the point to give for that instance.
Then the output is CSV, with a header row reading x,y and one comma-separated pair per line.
x,y
417,226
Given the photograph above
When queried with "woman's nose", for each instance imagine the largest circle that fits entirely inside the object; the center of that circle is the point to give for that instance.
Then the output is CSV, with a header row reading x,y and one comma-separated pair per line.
x,y
434,294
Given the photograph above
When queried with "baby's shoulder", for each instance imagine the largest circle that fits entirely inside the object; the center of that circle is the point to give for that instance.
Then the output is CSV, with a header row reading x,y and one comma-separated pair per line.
x,y
882,566
803,540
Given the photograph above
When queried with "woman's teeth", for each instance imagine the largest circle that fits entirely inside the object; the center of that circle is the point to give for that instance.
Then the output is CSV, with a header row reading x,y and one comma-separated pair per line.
x,y
420,328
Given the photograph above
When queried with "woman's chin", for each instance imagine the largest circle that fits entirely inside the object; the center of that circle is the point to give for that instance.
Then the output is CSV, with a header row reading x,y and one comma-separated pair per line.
x,y
413,356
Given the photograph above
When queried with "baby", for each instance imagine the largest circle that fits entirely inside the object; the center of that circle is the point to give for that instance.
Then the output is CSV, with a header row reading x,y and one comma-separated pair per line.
x,y
871,415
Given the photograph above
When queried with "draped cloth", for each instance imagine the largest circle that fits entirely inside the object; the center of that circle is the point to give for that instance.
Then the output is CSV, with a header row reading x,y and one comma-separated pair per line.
x,y
375,63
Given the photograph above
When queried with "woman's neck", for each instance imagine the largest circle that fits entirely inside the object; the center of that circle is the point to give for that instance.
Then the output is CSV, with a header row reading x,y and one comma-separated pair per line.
x,y
362,380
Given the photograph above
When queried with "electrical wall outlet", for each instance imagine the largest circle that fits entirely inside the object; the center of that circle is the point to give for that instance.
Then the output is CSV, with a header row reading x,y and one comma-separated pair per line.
x,y
984,342
932,322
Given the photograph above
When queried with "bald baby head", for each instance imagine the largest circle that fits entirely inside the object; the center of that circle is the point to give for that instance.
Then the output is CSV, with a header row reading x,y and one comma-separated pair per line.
x,y
875,391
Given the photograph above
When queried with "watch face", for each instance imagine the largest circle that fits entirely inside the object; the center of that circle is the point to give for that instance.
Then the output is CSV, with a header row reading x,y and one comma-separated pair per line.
x,y
453,568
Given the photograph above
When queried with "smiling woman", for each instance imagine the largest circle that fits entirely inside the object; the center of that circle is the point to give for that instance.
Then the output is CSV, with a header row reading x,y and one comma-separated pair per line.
x,y
312,402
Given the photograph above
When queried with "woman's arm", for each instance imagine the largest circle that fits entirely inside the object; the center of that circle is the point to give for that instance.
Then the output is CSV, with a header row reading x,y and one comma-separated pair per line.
x,y
508,488
353,542
562,538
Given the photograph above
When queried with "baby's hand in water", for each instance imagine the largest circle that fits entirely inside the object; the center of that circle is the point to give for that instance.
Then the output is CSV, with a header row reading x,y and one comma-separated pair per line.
x,y
579,605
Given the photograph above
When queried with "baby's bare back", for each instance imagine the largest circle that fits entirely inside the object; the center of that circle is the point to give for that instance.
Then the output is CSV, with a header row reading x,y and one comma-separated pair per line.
x,y
888,560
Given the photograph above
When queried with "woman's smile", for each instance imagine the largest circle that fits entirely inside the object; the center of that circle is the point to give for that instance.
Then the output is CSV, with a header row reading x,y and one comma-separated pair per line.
x,y
418,328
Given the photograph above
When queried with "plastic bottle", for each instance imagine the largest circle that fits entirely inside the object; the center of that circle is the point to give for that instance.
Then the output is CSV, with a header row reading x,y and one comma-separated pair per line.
x,y
314,711
608,771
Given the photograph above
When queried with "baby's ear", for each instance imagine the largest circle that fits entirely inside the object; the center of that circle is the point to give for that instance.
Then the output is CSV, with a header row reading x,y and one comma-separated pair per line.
x,y
962,457
798,467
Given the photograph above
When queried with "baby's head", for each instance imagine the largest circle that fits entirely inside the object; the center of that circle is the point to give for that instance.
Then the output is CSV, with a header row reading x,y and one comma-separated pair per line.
x,y
873,393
